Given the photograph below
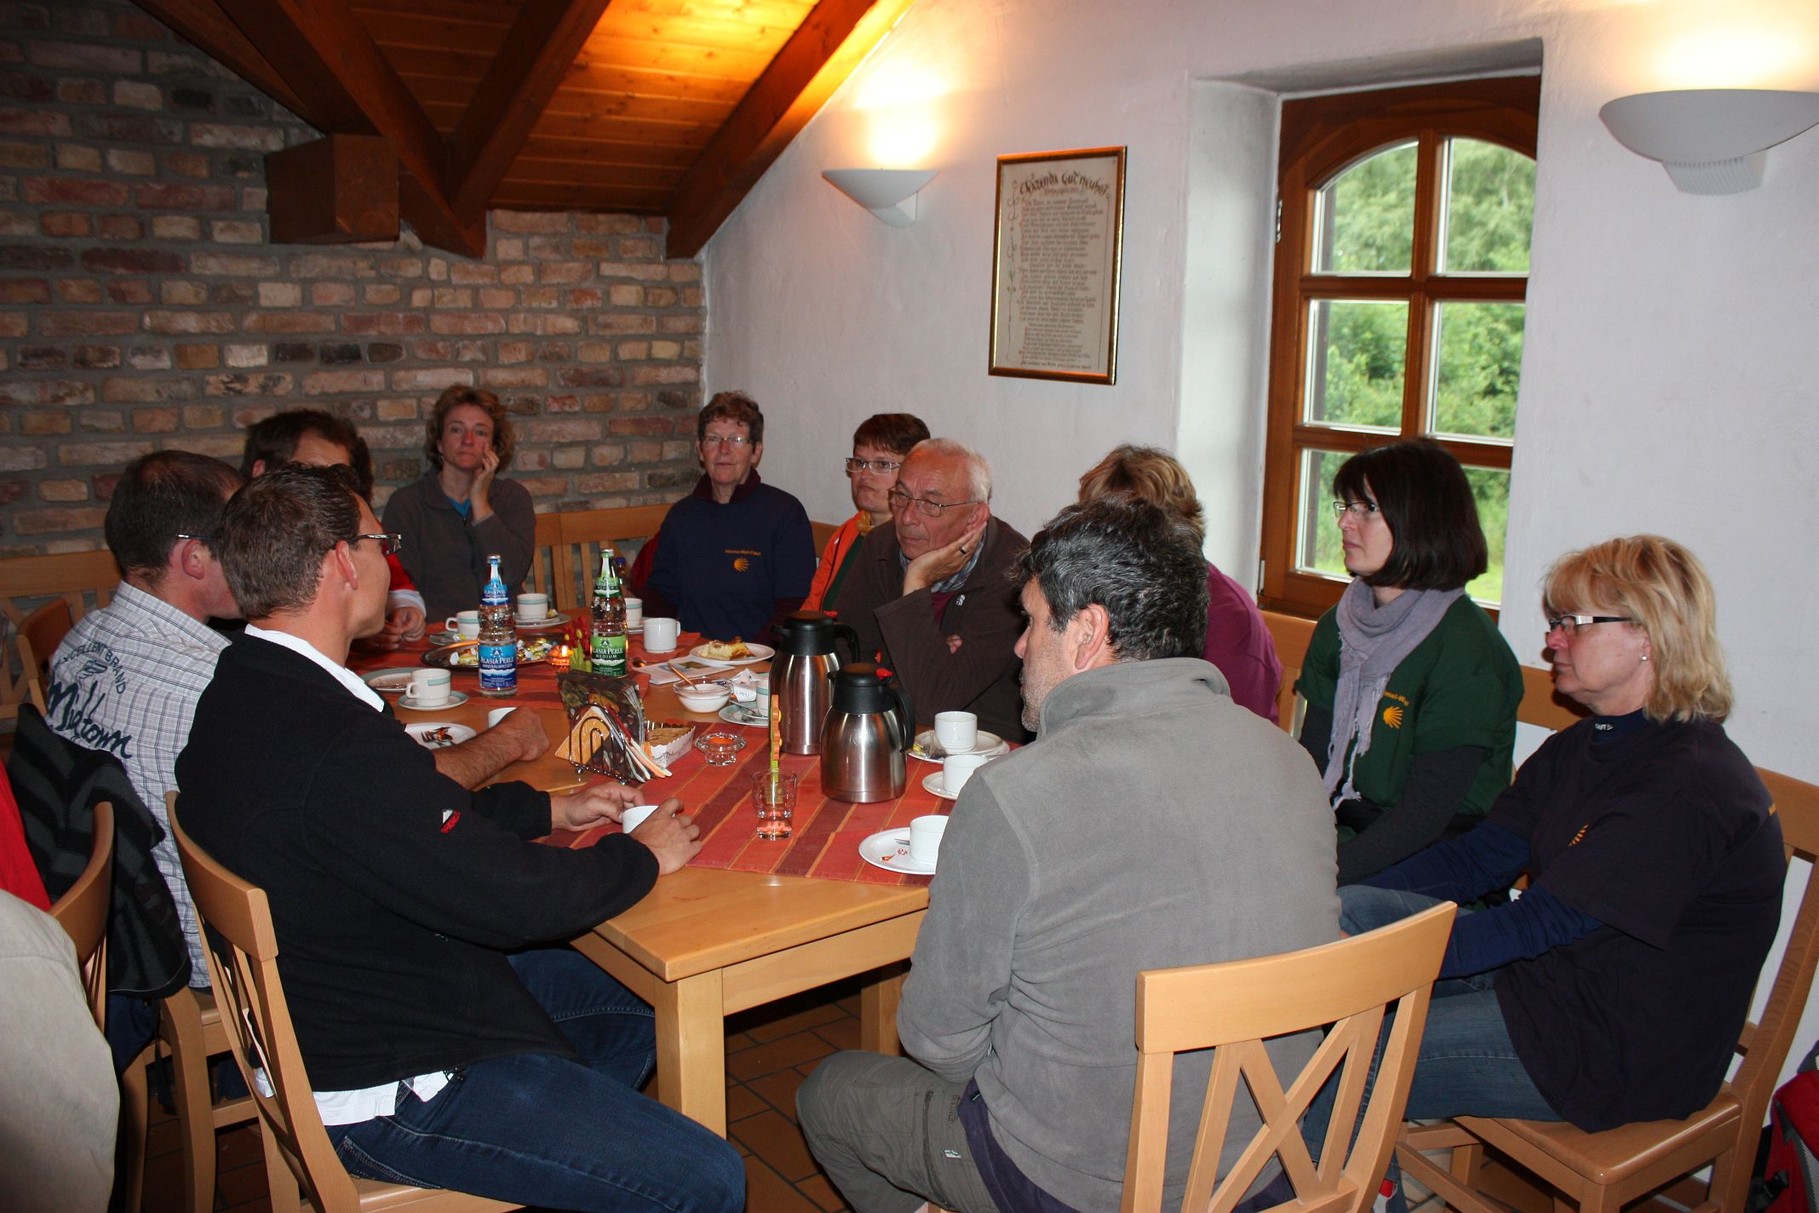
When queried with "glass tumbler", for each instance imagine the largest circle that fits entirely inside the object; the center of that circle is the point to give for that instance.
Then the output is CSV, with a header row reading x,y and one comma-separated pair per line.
x,y
774,796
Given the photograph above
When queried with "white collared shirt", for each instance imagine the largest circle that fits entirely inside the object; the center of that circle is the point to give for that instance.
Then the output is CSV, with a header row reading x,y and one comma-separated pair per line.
x,y
350,1107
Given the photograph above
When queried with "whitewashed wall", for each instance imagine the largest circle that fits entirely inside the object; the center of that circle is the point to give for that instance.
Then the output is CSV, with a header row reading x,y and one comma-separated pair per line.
x,y
1669,378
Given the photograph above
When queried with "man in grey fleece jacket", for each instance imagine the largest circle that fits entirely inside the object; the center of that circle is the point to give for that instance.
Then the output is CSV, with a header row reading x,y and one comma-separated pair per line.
x,y
1153,823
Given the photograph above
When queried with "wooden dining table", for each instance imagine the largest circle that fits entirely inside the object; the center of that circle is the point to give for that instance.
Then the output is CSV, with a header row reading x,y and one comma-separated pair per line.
x,y
747,922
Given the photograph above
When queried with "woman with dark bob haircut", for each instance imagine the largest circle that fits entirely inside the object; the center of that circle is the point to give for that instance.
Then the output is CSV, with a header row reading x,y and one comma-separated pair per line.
x,y
880,445
1614,989
1411,691
459,512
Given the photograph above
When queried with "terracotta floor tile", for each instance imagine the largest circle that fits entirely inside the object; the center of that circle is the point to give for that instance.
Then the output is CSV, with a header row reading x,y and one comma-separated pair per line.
x,y
817,1188
778,1141
768,1192
776,1055
779,1089
808,1017
741,1102
842,1033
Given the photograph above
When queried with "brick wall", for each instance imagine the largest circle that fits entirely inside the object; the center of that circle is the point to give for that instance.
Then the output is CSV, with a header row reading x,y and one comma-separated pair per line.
x,y
141,307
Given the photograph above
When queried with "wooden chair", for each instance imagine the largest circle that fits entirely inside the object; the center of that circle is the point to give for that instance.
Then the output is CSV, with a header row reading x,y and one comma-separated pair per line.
x,y
1542,706
1291,635
82,912
1234,1007
73,581
577,555
542,577
191,1033
1599,1172
823,531
300,1164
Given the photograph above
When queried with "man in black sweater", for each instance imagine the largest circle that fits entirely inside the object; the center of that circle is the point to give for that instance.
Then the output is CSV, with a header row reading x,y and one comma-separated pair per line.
x,y
447,1044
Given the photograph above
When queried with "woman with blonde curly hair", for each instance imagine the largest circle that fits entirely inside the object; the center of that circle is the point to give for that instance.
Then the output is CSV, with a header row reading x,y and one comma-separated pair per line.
x,y
459,512
1655,870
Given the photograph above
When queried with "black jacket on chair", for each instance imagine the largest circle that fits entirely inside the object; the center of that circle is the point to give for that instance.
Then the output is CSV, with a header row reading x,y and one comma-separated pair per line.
x,y
58,785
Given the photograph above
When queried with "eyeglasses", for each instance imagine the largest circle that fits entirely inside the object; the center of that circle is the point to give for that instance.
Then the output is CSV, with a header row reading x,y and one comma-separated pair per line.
x,y
872,465
197,538
733,440
1570,624
1359,510
390,543
901,500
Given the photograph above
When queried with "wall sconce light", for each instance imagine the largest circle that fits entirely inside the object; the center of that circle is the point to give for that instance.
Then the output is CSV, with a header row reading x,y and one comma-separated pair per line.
x,y
1711,141
889,193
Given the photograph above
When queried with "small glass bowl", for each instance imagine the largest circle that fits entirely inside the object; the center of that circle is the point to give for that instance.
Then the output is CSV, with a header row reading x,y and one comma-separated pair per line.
x,y
720,747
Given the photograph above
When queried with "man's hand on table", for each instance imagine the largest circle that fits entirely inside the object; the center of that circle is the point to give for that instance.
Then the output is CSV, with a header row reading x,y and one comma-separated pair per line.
x,y
938,564
520,737
672,835
401,627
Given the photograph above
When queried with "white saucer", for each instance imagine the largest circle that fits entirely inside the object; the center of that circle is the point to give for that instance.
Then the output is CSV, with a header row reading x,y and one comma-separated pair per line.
x,y
394,680
455,699
439,640
760,652
889,849
457,733
989,744
735,713
934,783
554,619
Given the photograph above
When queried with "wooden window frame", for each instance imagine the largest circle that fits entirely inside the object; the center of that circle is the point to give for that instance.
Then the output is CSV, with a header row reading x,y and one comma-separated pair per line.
x,y
1320,137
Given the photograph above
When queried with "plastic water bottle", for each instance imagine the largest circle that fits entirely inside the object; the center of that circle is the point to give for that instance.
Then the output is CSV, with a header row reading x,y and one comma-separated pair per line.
x,y
498,636
607,631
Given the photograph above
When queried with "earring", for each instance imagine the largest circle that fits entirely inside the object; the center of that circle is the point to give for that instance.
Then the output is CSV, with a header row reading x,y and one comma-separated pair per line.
x,y
1645,657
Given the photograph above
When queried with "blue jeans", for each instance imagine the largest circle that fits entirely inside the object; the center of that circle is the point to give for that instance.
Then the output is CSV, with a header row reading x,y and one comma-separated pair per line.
x,y
1467,1065
546,1131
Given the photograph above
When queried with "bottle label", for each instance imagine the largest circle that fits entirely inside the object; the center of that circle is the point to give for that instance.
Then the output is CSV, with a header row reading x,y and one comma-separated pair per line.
x,y
499,668
609,655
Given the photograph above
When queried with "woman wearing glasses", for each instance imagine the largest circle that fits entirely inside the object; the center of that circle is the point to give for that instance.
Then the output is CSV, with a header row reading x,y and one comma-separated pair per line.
x,y
460,511
1411,691
1655,870
880,445
735,555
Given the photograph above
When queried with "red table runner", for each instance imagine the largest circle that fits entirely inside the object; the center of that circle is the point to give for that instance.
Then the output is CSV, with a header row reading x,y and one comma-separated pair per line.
x,y
827,832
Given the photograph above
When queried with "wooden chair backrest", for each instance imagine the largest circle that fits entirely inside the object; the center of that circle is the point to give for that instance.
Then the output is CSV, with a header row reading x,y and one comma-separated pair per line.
x,y
1766,1040
823,532
1291,635
82,912
243,970
74,581
584,532
1541,706
542,577
1235,1007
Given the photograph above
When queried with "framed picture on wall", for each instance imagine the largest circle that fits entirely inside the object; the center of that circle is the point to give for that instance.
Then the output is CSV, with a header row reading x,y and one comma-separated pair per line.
x,y
1055,265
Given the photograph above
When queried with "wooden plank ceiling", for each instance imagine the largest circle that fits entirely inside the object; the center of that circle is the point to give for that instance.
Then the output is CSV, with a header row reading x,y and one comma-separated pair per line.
x,y
653,107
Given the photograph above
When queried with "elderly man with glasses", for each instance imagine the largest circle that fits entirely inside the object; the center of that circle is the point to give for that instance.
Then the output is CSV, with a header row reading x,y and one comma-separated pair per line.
x,y
735,555
932,593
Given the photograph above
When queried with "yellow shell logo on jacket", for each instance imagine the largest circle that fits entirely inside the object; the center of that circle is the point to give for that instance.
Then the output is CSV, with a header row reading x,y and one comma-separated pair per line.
x,y
1393,714
741,564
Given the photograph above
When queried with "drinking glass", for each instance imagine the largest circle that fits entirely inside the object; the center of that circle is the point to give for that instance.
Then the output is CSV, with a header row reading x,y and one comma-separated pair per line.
x,y
774,796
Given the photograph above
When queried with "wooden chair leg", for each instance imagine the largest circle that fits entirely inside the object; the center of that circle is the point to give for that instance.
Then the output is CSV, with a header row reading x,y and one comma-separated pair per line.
x,y
135,1118
181,1022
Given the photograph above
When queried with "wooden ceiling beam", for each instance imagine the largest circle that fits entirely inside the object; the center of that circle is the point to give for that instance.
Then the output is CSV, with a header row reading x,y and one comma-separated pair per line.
x,y
206,25
537,54
348,87
817,59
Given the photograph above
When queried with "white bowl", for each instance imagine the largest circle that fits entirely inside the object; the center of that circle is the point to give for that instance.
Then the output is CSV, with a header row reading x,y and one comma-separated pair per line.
x,y
702,699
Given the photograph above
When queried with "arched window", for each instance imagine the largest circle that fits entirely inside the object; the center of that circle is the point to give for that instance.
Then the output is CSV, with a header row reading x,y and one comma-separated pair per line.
x,y
1400,278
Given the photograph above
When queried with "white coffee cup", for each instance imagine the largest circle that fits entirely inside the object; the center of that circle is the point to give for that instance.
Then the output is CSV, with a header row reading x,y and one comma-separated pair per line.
x,y
532,608
496,715
634,614
956,769
429,688
762,705
660,635
925,838
634,817
958,732
467,623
